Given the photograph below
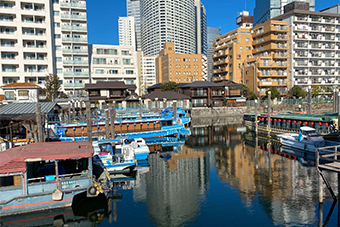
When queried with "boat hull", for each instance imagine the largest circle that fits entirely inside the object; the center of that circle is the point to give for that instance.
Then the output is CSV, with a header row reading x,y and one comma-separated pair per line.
x,y
37,202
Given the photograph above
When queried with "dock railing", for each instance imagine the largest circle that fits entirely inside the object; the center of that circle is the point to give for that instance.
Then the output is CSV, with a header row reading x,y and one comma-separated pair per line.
x,y
326,158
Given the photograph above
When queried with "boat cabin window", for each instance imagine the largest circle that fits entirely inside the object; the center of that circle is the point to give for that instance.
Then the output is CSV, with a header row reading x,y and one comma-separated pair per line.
x,y
310,133
166,123
10,181
45,170
106,148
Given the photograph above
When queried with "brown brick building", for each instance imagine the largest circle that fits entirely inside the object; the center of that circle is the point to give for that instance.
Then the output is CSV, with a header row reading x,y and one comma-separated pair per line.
x,y
186,68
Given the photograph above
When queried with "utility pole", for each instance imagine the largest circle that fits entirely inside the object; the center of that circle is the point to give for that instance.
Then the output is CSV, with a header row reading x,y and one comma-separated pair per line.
x,y
88,120
269,110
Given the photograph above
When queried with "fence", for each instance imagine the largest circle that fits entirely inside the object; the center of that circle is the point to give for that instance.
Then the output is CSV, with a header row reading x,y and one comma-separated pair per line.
x,y
287,102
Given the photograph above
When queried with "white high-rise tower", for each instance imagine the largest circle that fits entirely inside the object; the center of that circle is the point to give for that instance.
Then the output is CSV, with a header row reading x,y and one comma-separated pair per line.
x,y
126,27
168,21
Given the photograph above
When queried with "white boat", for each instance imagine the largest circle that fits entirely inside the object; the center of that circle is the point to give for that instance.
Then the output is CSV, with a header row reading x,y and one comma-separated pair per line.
x,y
308,140
141,149
115,158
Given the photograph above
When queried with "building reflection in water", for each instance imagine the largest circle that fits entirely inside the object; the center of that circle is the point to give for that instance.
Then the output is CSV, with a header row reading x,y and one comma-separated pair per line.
x,y
285,188
175,185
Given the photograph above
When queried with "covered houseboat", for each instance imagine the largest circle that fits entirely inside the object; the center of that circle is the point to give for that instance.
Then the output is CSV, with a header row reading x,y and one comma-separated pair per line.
x,y
42,176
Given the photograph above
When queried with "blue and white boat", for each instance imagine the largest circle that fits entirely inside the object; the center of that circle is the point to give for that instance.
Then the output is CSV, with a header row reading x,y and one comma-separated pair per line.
x,y
129,125
308,140
115,156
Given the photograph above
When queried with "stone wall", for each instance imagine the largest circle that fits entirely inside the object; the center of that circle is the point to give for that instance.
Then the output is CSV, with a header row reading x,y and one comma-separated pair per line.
x,y
218,112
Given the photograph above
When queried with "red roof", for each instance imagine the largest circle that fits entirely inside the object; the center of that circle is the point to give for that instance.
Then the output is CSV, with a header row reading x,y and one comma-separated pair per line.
x,y
18,84
13,160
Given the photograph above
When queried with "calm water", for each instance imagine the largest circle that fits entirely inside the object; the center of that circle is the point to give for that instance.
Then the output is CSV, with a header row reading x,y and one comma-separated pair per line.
x,y
216,178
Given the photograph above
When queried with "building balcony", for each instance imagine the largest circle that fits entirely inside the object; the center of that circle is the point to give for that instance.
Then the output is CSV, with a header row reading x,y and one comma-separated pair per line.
x,y
283,56
74,62
83,74
74,85
76,51
72,16
69,39
73,5
74,28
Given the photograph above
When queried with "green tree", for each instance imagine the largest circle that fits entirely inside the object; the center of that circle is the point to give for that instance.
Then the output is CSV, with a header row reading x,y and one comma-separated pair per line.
x,y
316,90
252,96
169,86
274,93
244,91
296,92
52,87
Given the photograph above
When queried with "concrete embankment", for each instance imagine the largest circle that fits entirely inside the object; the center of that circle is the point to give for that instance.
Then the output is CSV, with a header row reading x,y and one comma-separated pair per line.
x,y
234,115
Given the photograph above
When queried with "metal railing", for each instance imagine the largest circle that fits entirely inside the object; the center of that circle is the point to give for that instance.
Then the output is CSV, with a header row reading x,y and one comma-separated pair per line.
x,y
287,102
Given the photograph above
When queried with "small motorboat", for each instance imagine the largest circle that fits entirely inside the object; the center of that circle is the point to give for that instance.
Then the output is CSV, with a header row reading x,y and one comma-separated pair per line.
x,y
307,139
115,157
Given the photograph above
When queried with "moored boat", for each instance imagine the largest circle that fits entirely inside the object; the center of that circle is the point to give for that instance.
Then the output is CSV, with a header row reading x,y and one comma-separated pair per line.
x,y
324,123
42,176
307,139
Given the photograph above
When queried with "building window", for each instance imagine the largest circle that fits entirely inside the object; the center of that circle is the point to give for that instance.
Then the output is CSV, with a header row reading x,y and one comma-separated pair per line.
x,y
129,72
248,48
247,40
241,49
59,70
23,93
58,59
56,13
247,81
57,25
113,71
57,36
126,61
9,95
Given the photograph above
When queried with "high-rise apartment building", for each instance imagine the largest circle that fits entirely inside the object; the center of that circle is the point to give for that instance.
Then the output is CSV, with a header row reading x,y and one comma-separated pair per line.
x,y
44,37
26,46
149,72
172,66
314,46
126,28
211,37
268,66
268,9
168,21
232,49
70,45
133,9
201,28
113,63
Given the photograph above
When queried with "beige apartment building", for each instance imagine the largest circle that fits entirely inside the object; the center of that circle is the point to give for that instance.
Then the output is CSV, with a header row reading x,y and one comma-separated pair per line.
x,y
232,49
268,66
255,56
180,68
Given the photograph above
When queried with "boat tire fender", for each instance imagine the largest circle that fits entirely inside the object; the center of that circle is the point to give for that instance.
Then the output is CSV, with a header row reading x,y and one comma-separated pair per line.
x,y
91,191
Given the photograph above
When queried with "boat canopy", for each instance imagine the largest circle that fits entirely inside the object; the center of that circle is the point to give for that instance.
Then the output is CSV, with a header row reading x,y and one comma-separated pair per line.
x,y
14,160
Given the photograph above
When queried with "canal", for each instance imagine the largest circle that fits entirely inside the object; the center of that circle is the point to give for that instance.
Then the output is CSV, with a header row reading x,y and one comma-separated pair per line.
x,y
217,176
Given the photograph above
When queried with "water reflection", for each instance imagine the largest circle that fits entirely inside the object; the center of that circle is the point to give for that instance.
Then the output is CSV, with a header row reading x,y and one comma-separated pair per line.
x,y
183,179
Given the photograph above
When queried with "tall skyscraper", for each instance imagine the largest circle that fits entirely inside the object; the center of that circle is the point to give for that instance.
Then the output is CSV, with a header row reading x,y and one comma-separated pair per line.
x,y
70,45
41,38
168,21
268,9
211,37
201,28
133,9
126,27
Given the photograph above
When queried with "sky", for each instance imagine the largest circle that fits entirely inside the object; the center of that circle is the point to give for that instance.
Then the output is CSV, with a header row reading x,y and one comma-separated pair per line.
x,y
102,16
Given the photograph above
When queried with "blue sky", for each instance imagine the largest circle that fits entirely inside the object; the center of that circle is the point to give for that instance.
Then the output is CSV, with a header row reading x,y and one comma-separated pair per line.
x,y
102,16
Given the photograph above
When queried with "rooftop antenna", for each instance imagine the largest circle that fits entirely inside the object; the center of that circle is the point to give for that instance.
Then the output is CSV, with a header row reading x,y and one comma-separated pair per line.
x,y
245,5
